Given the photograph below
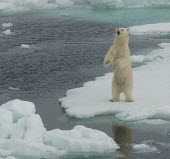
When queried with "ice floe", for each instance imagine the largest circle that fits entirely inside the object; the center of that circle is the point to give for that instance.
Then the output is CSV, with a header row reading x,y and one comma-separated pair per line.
x,y
13,89
153,122
7,32
25,46
7,25
80,140
25,5
151,93
143,148
27,137
18,5
158,28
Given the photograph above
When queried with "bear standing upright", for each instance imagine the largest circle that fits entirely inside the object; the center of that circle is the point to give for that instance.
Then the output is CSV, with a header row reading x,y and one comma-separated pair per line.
x,y
119,57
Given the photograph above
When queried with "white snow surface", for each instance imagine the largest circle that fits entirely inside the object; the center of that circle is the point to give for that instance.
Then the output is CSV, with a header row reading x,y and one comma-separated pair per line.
x,y
151,93
143,148
6,120
80,140
7,25
19,108
158,28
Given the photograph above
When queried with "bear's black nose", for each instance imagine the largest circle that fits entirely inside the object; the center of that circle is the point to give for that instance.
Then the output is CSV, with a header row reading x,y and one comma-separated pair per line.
x,y
118,32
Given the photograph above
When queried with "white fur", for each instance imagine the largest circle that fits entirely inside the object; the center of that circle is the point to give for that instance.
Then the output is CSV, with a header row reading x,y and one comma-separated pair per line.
x,y
119,57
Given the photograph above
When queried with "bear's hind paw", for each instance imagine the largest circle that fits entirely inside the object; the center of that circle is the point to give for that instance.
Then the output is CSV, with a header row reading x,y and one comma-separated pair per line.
x,y
130,100
111,100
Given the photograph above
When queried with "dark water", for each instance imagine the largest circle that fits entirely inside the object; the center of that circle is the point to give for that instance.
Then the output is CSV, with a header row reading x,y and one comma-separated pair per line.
x,y
64,54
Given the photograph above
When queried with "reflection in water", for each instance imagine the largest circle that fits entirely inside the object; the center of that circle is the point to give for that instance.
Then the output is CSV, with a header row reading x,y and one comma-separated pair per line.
x,y
123,136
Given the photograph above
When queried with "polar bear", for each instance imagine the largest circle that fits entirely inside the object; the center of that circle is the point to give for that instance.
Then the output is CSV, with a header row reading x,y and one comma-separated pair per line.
x,y
119,57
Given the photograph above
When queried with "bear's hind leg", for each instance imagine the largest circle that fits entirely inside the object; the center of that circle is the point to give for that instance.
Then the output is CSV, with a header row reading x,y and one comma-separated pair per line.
x,y
115,93
128,94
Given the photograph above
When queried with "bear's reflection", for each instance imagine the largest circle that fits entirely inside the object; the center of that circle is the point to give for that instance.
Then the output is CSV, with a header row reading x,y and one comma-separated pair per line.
x,y
123,136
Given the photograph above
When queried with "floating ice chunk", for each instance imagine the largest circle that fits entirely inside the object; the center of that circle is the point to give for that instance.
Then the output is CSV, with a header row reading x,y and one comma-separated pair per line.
x,y
140,60
22,148
7,32
143,148
158,28
80,140
65,15
164,45
154,121
25,46
7,25
13,88
19,108
29,128
93,98
6,120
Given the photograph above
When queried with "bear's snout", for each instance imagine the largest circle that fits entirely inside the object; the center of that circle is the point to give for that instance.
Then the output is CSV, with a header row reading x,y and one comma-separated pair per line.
x,y
118,32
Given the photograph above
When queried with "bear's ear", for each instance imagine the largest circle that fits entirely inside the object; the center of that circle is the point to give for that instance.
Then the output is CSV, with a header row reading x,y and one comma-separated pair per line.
x,y
127,29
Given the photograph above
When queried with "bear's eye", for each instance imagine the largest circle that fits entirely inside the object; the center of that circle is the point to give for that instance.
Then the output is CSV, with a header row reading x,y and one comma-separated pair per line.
x,y
122,29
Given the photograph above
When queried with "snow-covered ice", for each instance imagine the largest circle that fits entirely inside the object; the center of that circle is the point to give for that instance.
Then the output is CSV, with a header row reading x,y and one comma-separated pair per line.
x,y
151,93
7,25
158,28
6,120
143,148
80,140
19,108
25,5
25,46
19,5
29,128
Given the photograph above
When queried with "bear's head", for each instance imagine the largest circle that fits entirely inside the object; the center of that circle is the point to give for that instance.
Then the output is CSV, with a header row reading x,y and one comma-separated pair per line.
x,y
122,35
122,31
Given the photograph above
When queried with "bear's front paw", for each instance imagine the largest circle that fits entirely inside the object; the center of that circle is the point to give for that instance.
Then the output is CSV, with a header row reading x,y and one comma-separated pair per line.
x,y
107,62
